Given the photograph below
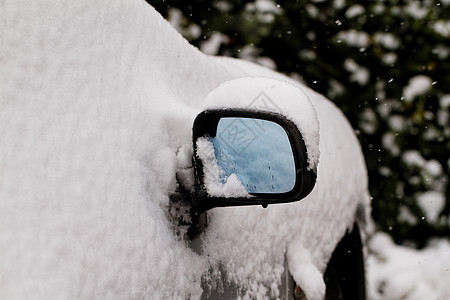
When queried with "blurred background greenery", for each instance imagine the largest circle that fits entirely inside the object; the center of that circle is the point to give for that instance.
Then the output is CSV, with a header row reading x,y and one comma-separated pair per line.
x,y
385,63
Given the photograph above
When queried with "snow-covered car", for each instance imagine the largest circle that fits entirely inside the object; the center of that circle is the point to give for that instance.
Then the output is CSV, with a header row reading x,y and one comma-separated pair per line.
x,y
98,101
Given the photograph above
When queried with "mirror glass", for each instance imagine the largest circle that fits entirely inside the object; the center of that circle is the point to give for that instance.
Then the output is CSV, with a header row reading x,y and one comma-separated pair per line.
x,y
258,152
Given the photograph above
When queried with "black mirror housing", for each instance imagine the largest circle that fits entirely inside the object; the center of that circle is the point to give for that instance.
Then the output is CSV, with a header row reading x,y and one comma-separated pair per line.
x,y
206,125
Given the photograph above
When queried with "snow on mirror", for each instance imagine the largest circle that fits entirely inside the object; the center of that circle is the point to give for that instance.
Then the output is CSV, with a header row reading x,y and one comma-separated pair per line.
x,y
247,155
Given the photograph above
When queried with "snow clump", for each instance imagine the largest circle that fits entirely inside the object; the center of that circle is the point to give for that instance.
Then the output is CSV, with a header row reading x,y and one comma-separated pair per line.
x,y
231,187
417,85
432,203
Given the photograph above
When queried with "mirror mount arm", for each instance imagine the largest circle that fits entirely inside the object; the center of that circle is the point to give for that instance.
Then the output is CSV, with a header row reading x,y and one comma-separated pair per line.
x,y
199,222
186,211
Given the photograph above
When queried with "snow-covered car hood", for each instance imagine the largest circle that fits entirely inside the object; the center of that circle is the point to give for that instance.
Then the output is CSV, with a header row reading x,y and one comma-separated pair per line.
x,y
96,100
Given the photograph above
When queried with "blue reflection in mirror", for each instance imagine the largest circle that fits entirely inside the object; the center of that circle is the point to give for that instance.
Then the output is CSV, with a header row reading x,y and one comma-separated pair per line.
x,y
258,152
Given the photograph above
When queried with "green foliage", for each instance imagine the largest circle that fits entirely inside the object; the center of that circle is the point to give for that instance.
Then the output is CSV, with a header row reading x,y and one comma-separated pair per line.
x,y
385,64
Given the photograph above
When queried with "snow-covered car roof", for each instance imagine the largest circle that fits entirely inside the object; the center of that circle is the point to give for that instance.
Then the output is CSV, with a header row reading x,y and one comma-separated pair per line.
x,y
96,100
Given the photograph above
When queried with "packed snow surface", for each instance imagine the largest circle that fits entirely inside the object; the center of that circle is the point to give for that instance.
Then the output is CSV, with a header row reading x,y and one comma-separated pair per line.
x,y
97,100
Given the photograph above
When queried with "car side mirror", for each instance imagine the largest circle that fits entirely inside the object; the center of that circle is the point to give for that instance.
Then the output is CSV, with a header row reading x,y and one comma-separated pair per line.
x,y
248,157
